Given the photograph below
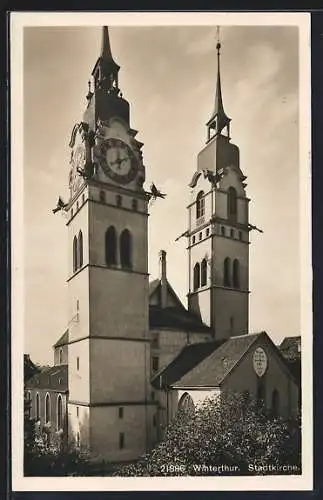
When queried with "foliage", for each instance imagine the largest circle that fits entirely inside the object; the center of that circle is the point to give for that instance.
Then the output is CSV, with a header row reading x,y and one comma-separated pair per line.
x,y
57,459
229,430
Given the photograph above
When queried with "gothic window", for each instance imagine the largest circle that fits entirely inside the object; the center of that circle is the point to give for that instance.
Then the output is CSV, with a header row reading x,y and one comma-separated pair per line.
x,y
134,205
203,272
275,403
200,205
261,392
236,274
232,203
232,233
126,248
119,200
47,409
80,249
226,272
111,246
74,254
59,412
60,356
223,230
102,196
37,407
186,404
196,276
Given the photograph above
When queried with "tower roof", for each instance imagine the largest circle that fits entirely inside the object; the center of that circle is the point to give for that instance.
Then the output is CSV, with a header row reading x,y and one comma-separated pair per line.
x,y
219,118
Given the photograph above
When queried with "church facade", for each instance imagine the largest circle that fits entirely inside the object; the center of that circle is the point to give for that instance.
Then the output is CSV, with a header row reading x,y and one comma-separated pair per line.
x,y
132,352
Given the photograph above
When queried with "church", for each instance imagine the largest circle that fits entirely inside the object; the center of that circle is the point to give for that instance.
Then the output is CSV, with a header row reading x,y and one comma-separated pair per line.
x,y
132,354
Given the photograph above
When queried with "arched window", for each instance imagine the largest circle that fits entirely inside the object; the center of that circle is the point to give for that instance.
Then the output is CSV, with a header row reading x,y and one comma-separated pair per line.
x,y
232,203
47,409
223,230
203,272
200,205
111,246
102,196
80,249
37,407
186,404
226,272
236,273
275,403
74,253
196,276
60,356
261,393
126,248
59,412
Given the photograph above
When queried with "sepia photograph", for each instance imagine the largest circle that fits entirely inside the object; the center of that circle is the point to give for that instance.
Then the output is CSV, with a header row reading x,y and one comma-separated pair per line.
x,y
161,295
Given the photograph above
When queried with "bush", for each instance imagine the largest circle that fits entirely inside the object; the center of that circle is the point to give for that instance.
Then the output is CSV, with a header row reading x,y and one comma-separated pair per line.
x,y
229,435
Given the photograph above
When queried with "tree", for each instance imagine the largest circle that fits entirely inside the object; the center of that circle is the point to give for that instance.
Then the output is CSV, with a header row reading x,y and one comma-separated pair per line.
x,y
230,430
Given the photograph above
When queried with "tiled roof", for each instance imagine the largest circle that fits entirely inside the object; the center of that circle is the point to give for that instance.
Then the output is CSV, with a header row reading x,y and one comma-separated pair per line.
x,y
175,318
189,357
214,369
63,340
52,378
290,344
153,285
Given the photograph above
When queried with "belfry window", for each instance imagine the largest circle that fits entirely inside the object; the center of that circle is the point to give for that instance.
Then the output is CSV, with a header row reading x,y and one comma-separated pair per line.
x,y
203,272
236,273
232,203
200,205
111,246
75,254
126,248
196,276
226,272
80,249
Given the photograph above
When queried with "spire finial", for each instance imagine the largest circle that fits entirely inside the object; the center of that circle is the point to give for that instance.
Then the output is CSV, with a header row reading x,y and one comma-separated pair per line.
x,y
219,119
105,44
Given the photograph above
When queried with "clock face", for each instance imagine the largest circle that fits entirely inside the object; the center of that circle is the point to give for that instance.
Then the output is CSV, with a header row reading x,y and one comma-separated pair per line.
x,y
260,361
118,161
78,159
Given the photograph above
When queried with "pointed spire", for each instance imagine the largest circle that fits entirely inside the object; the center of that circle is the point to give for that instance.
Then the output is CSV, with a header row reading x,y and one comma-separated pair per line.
x,y
105,45
219,119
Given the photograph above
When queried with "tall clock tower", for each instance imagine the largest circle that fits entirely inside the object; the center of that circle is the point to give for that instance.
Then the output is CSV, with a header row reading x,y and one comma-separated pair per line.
x,y
109,409
218,235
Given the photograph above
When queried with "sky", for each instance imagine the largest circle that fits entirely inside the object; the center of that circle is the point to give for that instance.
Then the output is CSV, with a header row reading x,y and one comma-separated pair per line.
x,y
168,74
